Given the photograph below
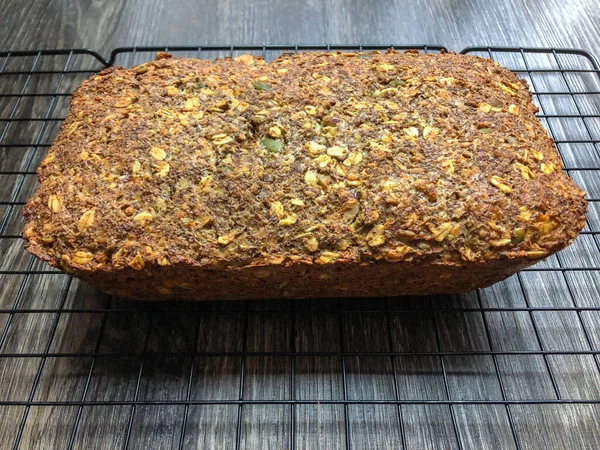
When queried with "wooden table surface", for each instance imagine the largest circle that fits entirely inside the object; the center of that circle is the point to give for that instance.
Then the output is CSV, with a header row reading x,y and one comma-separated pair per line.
x,y
70,357
104,24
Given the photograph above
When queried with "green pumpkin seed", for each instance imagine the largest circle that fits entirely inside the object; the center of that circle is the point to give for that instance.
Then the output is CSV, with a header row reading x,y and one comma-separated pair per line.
x,y
398,83
260,86
518,235
272,145
486,130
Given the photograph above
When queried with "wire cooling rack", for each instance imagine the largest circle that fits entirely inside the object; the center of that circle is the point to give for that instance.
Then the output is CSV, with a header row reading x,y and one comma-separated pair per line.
x,y
515,365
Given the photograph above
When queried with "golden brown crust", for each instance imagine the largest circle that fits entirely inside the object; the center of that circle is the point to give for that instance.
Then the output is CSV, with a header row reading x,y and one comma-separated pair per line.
x,y
316,166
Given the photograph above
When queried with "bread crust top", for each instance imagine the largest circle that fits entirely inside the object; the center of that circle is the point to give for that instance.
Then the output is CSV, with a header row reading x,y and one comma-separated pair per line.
x,y
315,158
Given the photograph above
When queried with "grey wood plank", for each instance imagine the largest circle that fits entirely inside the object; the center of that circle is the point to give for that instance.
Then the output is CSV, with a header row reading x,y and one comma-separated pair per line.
x,y
420,378
558,426
429,426
77,333
9,287
172,332
213,427
484,426
366,331
212,328
318,378
317,332
165,378
265,426
216,378
368,377
156,427
269,332
44,291
32,332
14,258
586,291
374,426
413,331
80,332
462,331
109,24
509,330
16,377
114,379
558,330
10,419
472,378
523,377
63,379
267,377
576,376
102,427
125,332
320,426
47,427
466,331
371,378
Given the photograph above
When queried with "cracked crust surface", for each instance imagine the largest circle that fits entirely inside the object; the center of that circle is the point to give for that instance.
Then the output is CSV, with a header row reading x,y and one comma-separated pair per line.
x,y
319,174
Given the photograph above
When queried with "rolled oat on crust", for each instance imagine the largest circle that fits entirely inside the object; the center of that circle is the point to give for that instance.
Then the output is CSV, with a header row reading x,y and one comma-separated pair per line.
x,y
317,175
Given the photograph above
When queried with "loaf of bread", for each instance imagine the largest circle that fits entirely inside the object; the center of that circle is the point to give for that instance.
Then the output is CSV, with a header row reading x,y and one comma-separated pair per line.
x,y
316,175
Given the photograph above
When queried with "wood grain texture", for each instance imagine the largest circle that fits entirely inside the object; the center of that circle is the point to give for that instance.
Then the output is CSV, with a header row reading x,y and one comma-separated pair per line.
x,y
105,24
148,334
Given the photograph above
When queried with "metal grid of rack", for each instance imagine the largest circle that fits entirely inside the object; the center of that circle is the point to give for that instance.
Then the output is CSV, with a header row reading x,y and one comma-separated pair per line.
x,y
515,365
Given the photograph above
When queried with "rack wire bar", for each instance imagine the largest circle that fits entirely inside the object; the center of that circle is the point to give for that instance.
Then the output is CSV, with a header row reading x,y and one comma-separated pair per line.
x,y
498,364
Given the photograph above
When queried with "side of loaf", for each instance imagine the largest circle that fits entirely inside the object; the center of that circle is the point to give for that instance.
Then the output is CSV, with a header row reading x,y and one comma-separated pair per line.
x,y
316,175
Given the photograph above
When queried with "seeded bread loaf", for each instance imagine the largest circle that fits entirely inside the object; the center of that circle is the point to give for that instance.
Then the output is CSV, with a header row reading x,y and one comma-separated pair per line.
x,y
317,175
